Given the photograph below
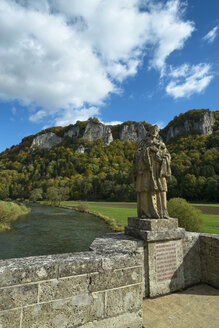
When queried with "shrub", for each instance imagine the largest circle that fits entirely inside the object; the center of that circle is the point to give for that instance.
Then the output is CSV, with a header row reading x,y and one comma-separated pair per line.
x,y
189,217
9,212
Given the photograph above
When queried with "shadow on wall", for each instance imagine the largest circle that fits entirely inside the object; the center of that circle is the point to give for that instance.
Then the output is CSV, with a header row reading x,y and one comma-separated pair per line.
x,y
200,260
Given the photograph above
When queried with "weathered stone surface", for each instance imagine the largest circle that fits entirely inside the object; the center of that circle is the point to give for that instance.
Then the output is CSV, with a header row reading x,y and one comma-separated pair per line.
x,y
209,251
153,224
191,258
122,300
12,297
10,319
30,269
116,243
46,141
121,261
63,288
165,267
151,169
73,132
71,312
155,235
115,278
133,133
81,149
95,131
202,126
79,263
130,320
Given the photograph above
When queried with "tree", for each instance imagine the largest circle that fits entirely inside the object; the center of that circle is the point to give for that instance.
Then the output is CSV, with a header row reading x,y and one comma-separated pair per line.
x,y
36,194
189,186
4,191
52,195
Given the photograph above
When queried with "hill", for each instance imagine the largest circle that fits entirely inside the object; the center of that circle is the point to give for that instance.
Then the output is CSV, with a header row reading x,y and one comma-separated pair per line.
x,y
92,161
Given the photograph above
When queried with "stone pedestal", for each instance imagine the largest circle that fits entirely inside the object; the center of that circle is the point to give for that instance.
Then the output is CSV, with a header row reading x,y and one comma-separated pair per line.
x,y
163,253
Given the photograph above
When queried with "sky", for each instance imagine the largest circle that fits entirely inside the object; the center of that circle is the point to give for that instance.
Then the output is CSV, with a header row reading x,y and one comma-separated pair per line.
x,y
118,60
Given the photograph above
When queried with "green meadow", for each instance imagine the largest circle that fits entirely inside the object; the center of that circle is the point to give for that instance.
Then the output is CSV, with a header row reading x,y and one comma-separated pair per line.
x,y
120,214
211,223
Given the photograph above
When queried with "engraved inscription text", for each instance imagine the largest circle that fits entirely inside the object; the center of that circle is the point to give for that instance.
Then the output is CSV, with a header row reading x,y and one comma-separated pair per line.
x,y
166,262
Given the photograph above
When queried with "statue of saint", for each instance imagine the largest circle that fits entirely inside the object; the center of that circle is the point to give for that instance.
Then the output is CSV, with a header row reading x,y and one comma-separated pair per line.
x,y
151,170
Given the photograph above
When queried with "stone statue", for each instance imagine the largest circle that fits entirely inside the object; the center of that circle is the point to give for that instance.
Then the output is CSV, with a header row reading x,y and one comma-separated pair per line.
x,y
151,170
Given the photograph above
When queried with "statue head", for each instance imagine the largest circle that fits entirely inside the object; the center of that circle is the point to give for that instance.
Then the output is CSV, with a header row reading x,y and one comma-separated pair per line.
x,y
153,131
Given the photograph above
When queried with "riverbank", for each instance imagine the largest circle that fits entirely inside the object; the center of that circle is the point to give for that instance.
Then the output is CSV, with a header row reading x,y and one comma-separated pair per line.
x,y
117,213
50,230
84,208
10,212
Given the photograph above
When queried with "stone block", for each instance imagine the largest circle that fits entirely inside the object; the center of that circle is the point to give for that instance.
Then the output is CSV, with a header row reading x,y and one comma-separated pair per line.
x,y
215,251
191,260
212,263
150,236
30,269
126,299
116,261
116,243
72,312
212,279
130,320
79,263
13,297
153,224
63,288
10,319
114,279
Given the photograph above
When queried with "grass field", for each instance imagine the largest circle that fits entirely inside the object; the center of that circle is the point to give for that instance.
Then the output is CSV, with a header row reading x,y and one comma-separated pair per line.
x,y
211,223
120,214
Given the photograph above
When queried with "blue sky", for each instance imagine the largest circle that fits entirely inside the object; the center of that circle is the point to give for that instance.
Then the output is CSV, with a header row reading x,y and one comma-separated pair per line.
x,y
119,60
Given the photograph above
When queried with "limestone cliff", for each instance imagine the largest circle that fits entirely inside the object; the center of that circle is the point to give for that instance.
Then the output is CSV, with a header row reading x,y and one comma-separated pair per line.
x,y
95,131
133,133
194,121
74,131
46,140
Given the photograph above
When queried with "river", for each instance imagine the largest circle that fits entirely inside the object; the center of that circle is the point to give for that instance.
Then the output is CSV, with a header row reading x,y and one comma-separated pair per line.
x,y
49,230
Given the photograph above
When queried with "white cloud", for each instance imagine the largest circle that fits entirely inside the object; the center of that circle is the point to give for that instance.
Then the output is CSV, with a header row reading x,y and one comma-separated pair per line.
x,y
68,116
38,116
189,79
112,123
211,35
168,31
64,58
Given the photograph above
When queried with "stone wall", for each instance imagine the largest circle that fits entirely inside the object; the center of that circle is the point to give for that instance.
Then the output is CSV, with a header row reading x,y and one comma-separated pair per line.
x,y
191,259
100,288
209,251
201,259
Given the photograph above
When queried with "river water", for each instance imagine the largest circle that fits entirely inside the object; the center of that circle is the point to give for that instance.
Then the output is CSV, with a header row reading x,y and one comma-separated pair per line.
x,y
49,230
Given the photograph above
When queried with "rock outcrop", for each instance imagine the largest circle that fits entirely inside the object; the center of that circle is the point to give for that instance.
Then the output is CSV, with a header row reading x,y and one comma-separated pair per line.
x,y
81,149
205,125
95,131
46,141
202,125
194,121
133,133
73,132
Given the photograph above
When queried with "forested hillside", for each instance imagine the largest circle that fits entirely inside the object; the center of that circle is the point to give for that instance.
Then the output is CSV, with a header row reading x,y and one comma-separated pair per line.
x,y
104,171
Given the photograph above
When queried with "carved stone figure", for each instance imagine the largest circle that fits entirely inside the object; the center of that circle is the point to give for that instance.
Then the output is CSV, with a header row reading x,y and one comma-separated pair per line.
x,y
151,170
